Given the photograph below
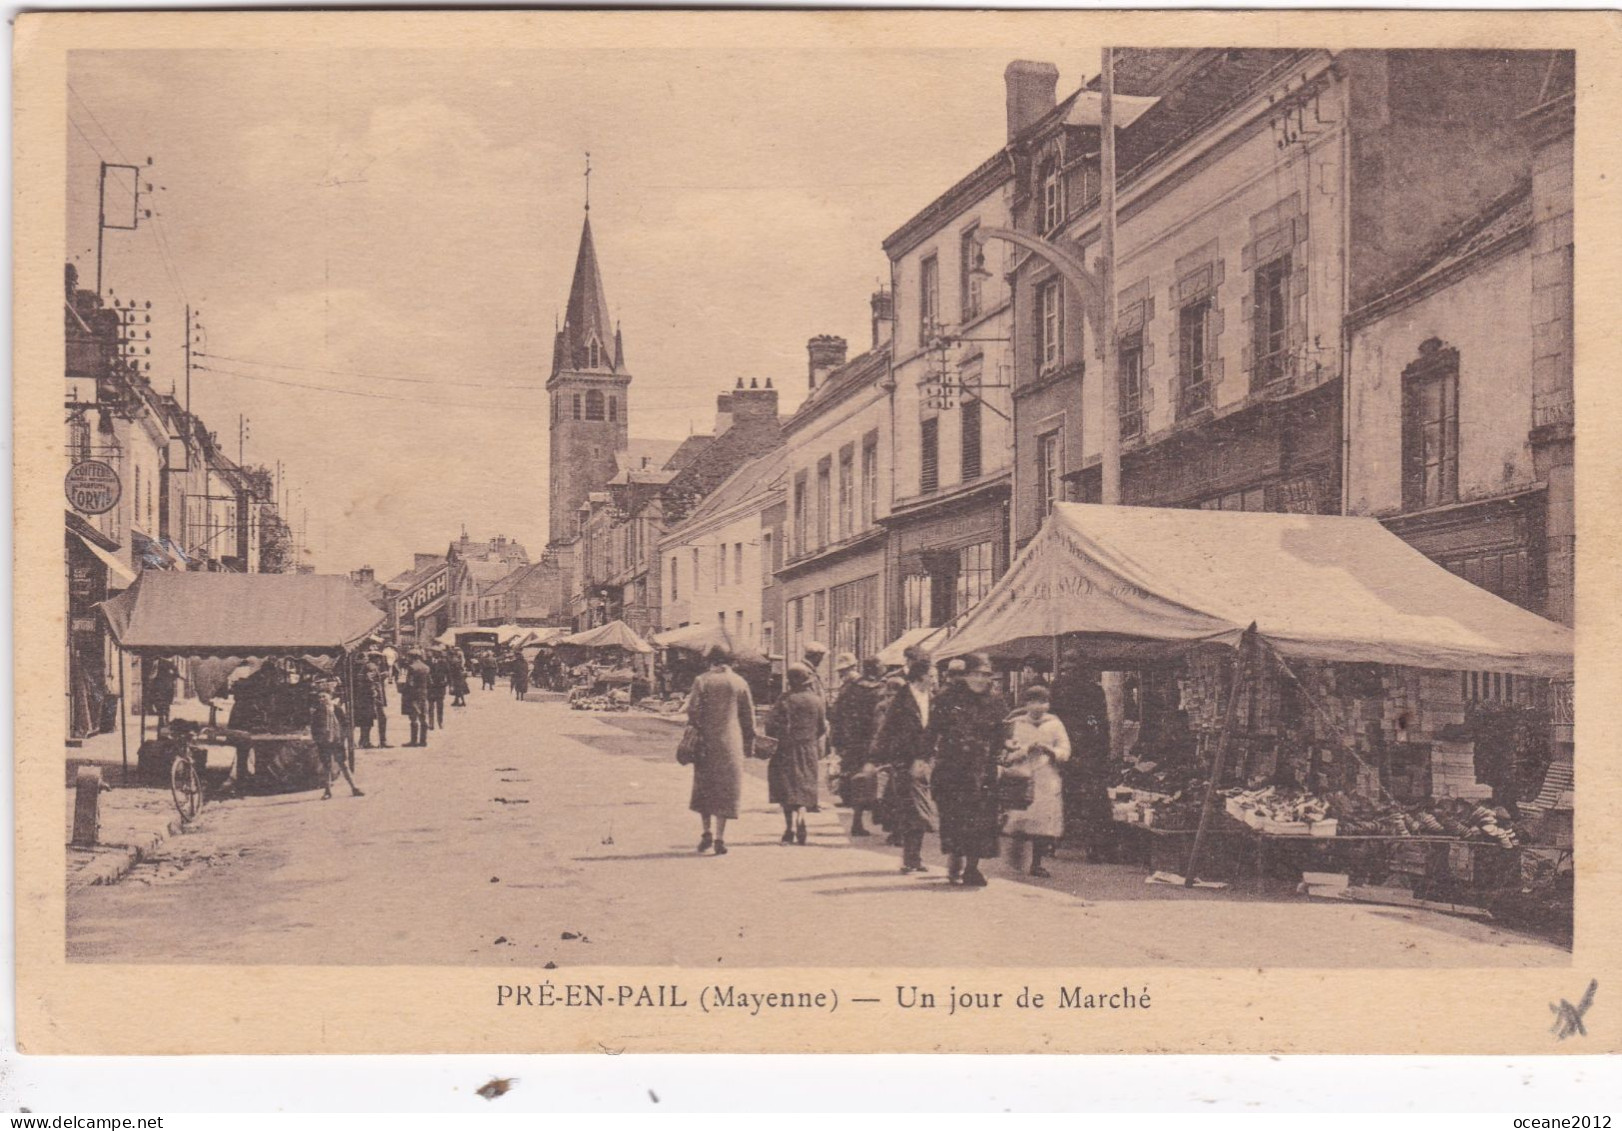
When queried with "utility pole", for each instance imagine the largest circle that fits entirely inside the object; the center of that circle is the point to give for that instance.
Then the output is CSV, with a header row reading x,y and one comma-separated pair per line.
x,y
1110,448
188,360
101,211
243,432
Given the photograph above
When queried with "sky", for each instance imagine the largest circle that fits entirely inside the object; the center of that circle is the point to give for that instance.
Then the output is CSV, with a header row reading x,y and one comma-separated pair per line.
x,y
378,243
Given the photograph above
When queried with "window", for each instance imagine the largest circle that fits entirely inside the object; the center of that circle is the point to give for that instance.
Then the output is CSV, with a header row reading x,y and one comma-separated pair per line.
x,y
695,570
824,499
768,545
594,404
929,299
1430,428
1193,388
847,491
737,562
135,507
1250,499
974,575
719,574
739,621
1047,472
1050,330
723,615
613,408
968,279
819,616
969,415
593,354
1131,378
577,406
675,587
1052,195
917,600
929,463
801,531
768,632
1269,326
870,478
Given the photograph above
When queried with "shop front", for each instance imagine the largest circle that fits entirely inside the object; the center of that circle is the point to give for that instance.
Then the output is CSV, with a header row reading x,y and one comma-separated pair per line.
x,y
945,554
422,612
837,599
94,571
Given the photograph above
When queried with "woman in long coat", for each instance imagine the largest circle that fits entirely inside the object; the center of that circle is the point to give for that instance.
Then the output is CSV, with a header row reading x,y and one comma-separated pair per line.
x,y
967,726
904,740
798,721
722,710
519,672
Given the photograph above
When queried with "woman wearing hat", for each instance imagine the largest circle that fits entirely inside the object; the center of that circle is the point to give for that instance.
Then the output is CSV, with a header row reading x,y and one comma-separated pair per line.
x,y
1040,746
968,733
905,739
854,713
798,721
721,709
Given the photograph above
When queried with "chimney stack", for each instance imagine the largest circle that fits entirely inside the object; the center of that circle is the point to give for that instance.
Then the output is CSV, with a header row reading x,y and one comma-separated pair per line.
x,y
754,402
1032,91
883,303
826,353
723,413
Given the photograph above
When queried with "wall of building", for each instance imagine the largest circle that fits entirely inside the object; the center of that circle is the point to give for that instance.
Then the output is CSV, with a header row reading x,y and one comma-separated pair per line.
x,y
718,588
1483,316
862,412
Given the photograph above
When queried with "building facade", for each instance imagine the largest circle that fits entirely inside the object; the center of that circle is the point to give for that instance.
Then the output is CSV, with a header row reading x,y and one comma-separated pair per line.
x,y
952,366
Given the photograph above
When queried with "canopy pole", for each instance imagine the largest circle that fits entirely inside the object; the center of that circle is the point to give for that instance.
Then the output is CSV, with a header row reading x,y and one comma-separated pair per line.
x,y
123,721
1236,688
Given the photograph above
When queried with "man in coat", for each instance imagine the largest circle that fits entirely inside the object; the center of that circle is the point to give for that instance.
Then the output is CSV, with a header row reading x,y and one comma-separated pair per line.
x,y
160,689
905,739
439,682
854,714
1078,701
414,697
968,731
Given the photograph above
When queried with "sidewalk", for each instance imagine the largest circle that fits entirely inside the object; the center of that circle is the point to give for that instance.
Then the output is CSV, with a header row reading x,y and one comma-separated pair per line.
x,y
134,822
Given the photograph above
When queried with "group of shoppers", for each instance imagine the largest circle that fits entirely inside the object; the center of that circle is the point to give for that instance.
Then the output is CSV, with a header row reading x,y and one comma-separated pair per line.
x,y
940,749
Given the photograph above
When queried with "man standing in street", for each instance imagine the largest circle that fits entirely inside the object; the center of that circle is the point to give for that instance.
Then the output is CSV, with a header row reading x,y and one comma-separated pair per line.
x,y
414,697
439,681
1079,703
855,711
967,725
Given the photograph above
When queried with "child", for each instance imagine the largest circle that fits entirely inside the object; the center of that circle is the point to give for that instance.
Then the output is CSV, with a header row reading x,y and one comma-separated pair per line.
x,y
1039,744
329,727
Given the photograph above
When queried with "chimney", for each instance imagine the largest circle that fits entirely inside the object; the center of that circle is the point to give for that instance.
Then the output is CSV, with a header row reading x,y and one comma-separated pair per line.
x,y
827,353
1031,92
883,316
754,403
365,575
723,413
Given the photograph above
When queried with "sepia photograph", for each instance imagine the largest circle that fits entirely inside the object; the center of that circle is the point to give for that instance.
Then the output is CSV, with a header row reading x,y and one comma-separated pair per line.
x,y
643,522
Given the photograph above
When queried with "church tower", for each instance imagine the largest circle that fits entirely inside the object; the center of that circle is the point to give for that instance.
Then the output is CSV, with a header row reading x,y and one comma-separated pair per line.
x,y
589,390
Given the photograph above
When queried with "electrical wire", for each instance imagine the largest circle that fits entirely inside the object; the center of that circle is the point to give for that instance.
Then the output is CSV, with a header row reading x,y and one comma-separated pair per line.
x,y
343,392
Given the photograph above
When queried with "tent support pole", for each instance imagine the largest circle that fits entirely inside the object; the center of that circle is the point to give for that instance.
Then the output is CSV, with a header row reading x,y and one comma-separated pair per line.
x,y
123,721
1236,688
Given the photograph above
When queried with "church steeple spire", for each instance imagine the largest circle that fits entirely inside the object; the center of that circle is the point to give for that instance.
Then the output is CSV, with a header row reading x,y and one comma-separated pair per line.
x,y
587,340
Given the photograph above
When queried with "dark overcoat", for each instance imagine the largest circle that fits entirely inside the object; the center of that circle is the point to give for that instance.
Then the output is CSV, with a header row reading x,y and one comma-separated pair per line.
x,y
968,733
798,721
904,742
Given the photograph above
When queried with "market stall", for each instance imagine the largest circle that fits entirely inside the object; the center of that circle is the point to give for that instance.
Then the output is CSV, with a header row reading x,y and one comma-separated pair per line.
x,y
1294,676
605,673
277,630
686,649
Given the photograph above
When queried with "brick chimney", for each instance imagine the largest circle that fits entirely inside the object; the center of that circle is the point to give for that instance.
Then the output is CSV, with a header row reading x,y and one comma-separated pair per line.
x,y
365,575
883,303
1031,92
723,413
754,402
827,353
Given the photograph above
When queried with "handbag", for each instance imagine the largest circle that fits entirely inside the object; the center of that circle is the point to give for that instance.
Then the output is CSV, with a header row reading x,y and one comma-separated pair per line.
x,y
688,748
1016,788
764,747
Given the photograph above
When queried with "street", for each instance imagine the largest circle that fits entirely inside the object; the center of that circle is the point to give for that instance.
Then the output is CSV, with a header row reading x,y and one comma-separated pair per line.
x,y
528,834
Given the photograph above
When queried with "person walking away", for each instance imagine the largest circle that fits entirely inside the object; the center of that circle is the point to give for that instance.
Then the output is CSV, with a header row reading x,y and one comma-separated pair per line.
x,y
160,689
519,672
904,739
1041,747
967,729
487,671
439,681
363,679
414,697
458,678
329,727
798,721
855,713
815,653
1078,701
723,712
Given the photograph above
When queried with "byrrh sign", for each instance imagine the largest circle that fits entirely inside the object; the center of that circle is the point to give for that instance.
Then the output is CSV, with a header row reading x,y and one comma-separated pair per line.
x,y
93,487
426,591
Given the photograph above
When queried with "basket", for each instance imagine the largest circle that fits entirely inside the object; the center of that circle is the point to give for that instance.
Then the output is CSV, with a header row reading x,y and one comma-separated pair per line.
x,y
764,747
1015,790
866,787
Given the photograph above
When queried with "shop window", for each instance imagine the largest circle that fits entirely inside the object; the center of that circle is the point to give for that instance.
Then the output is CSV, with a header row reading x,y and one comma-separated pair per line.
x,y
968,279
594,404
917,601
1052,194
847,491
1270,322
1130,365
929,462
870,478
975,574
969,417
1048,470
1050,331
929,299
1193,376
1430,428
824,499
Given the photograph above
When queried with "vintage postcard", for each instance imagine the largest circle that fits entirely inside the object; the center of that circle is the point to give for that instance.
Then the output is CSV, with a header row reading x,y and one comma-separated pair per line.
x,y
767,531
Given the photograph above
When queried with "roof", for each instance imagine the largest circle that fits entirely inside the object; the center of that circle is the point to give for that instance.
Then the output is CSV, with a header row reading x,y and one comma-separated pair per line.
x,y
239,613
586,316
759,478
1139,584
517,577
864,369
487,573
701,638
656,452
411,576
615,634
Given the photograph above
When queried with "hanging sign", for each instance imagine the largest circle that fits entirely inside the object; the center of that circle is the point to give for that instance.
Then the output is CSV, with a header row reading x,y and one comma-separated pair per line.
x,y
93,487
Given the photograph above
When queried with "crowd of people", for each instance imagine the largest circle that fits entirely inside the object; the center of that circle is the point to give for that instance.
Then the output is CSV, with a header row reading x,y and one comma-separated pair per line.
x,y
918,750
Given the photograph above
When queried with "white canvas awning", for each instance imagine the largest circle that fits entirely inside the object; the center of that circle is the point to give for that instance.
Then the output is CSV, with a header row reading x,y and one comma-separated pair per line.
x,y
894,654
1137,584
